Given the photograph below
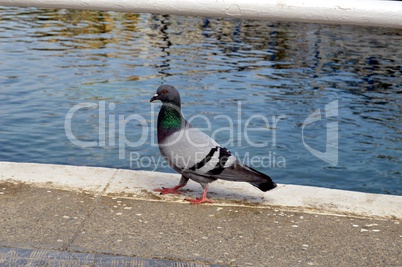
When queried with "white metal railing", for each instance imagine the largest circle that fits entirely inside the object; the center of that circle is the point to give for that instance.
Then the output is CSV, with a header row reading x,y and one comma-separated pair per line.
x,y
354,12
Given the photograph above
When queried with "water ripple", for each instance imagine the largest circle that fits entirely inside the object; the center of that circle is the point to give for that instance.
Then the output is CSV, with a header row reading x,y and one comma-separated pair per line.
x,y
53,60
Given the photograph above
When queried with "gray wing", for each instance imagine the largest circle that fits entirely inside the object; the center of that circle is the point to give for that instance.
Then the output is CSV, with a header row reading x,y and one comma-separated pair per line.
x,y
194,153
187,147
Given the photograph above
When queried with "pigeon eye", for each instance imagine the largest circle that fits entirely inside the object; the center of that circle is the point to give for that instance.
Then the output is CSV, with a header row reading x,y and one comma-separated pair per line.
x,y
164,91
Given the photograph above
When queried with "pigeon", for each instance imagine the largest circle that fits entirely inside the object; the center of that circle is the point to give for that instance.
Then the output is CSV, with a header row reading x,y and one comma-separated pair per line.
x,y
194,154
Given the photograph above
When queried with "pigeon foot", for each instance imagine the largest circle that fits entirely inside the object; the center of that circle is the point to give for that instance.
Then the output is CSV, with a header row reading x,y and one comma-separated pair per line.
x,y
172,190
199,200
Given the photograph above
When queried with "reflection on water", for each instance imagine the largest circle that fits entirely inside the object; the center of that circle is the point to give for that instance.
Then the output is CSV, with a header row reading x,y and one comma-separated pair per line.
x,y
53,60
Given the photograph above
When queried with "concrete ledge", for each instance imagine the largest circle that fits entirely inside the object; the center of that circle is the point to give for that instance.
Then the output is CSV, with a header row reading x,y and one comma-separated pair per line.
x,y
139,185
355,12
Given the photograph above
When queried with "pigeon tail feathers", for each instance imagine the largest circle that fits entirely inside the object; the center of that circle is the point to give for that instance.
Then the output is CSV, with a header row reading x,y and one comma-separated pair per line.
x,y
265,186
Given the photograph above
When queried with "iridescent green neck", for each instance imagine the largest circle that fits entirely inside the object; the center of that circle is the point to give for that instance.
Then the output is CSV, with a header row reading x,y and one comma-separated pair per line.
x,y
170,117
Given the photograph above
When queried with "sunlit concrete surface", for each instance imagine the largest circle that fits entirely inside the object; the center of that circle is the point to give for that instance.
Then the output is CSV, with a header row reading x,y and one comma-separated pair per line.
x,y
140,185
84,216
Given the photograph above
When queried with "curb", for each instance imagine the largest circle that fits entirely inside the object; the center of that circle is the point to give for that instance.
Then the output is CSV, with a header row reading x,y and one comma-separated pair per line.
x,y
140,184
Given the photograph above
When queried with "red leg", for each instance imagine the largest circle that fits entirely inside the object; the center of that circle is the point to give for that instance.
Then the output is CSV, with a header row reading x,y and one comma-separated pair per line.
x,y
173,190
203,199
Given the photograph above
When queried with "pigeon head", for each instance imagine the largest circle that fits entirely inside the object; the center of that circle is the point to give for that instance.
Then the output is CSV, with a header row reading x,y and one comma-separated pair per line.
x,y
168,95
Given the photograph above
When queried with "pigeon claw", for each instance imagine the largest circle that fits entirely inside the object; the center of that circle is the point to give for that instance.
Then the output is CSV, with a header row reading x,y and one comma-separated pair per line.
x,y
199,200
164,190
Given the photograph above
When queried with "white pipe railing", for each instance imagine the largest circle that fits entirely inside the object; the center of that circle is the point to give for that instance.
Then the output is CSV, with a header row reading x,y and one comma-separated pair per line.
x,y
353,12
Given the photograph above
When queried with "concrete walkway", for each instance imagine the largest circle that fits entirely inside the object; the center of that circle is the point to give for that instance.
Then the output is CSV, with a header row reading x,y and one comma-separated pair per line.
x,y
56,215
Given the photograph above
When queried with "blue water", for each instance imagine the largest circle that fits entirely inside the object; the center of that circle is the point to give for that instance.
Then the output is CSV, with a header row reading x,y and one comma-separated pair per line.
x,y
262,79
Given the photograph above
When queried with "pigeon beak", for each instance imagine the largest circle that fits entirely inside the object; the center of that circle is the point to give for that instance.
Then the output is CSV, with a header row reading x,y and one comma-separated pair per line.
x,y
155,97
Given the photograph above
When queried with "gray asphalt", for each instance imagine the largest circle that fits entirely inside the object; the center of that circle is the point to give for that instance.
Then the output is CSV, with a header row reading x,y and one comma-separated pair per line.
x,y
49,227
